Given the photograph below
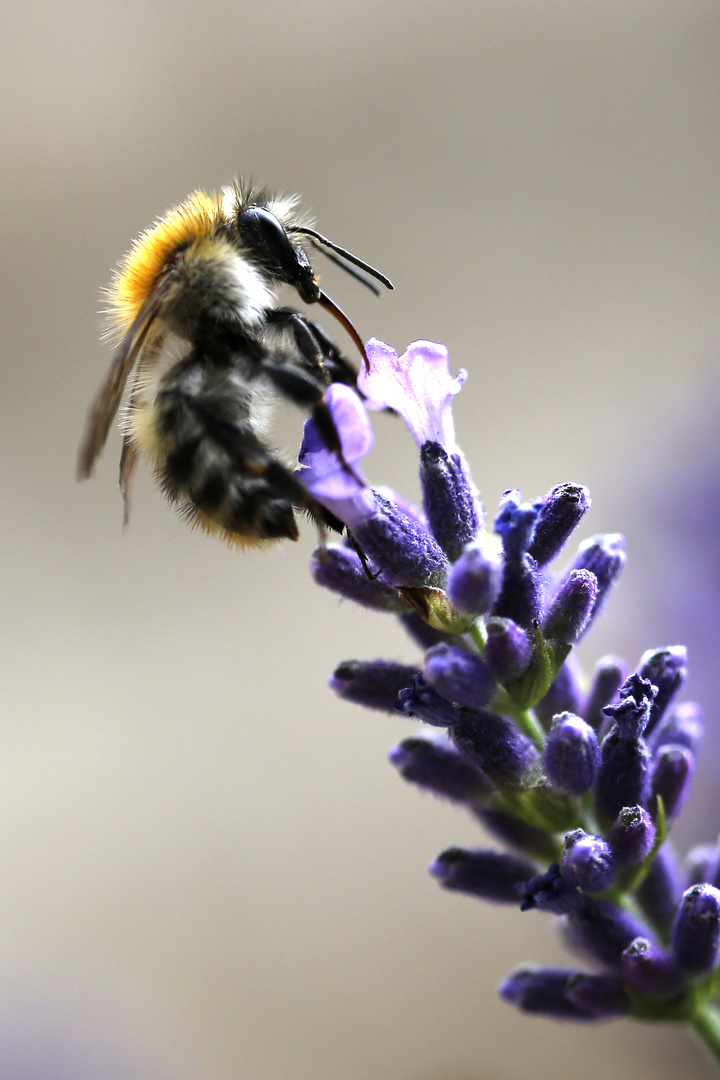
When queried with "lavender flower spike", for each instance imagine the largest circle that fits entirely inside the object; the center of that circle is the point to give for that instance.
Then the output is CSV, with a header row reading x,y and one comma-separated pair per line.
x,y
570,781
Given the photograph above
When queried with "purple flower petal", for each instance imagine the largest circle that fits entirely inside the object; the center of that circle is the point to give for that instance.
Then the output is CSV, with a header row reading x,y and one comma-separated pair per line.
x,y
323,472
417,385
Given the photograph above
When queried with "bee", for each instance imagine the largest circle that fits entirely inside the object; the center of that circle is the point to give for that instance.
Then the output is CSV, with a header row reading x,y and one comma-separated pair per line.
x,y
203,342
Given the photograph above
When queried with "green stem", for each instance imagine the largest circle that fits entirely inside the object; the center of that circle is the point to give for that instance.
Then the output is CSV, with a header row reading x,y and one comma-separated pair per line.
x,y
479,635
707,1024
529,724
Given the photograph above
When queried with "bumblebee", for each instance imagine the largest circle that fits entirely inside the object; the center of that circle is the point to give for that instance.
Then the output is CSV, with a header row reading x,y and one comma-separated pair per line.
x,y
204,345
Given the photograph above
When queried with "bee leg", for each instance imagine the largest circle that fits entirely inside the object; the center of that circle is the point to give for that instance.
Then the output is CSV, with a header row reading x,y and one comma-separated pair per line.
x,y
303,388
314,345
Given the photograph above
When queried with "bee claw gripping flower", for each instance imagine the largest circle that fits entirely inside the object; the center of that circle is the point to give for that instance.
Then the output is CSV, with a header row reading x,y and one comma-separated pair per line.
x,y
579,781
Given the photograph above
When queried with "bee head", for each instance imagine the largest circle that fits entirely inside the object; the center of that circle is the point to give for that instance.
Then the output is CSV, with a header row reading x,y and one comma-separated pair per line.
x,y
265,237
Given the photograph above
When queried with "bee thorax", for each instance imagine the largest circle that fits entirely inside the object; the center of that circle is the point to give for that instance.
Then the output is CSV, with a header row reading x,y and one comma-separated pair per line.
x,y
215,289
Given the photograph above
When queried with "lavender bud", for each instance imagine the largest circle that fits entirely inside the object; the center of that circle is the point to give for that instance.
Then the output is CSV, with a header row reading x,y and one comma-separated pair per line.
x,y
587,862
696,932
438,767
401,547
632,836
632,712
495,745
608,677
541,991
565,995
666,669
550,892
515,523
604,930
508,650
459,675
449,499
683,727
671,777
560,511
661,891
572,607
601,996
474,581
572,755
372,683
486,874
422,702
564,694
520,596
338,568
604,556
649,969
702,863
623,776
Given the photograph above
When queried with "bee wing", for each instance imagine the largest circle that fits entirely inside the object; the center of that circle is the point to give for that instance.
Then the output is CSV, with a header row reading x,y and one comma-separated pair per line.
x,y
128,459
107,400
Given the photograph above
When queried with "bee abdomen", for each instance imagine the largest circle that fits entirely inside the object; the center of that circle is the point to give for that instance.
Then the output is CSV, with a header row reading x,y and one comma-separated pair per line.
x,y
211,464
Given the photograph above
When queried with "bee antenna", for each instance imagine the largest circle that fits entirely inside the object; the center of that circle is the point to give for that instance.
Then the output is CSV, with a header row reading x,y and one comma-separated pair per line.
x,y
348,269
345,255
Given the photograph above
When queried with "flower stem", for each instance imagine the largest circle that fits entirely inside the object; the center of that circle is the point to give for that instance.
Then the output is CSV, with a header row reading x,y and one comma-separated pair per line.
x,y
479,635
706,1022
530,726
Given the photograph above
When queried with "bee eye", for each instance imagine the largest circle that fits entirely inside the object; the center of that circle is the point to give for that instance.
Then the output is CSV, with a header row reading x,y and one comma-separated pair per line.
x,y
266,235
262,231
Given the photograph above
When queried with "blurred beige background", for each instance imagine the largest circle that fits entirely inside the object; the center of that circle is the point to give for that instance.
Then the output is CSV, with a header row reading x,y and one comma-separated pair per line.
x,y
207,867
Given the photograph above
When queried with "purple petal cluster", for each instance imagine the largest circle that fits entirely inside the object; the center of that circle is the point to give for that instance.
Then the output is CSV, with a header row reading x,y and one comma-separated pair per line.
x,y
578,781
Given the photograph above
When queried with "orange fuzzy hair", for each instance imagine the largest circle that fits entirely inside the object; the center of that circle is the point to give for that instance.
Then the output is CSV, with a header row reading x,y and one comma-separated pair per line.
x,y
136,276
